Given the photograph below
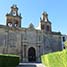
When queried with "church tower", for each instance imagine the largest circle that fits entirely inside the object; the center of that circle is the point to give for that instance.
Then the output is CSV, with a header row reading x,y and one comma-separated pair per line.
x,y
45,23
13,19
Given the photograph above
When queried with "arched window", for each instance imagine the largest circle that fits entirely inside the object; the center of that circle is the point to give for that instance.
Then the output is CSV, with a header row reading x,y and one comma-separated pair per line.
x,y
63,39
9,24
42,26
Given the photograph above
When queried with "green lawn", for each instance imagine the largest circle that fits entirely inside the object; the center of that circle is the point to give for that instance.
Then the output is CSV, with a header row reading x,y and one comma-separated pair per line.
x,y
56,59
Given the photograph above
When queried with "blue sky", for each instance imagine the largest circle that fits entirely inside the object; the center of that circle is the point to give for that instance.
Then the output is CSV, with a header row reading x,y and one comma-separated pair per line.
x,y
31,11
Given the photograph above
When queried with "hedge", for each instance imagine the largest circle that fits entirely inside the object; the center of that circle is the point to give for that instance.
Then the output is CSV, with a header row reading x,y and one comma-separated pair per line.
x,y
7,60
56,59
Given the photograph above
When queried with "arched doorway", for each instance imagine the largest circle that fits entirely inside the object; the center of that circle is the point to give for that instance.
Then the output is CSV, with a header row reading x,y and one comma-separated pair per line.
x,y
31,54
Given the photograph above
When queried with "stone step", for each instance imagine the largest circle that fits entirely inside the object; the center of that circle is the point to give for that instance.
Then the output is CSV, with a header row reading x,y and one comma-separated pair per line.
x,y
31,65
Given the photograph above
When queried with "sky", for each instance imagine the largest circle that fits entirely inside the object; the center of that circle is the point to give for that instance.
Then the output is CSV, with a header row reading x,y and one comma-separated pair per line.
x,y
31,11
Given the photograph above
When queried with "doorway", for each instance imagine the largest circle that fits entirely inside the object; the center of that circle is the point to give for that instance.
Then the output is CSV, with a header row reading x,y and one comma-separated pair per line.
x,y
31,55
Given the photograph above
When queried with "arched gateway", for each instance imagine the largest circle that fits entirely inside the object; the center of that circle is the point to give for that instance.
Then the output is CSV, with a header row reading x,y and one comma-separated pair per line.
x,y
31,55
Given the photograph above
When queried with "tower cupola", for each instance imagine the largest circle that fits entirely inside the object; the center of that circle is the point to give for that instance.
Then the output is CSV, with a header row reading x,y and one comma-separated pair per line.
x,y
44,17
45,23
13,19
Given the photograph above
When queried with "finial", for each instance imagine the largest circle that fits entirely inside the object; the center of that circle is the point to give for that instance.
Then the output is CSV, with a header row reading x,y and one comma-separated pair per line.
x,y
20,14
44,13
14,6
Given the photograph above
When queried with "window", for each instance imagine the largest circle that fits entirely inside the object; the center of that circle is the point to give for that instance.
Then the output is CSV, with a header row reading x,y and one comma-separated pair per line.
x,y
63,39
42,26
47,28
9,24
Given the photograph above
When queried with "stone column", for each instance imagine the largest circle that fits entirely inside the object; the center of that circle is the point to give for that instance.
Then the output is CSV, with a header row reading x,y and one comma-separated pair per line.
x,y
24,53
39,53
21,52
22,49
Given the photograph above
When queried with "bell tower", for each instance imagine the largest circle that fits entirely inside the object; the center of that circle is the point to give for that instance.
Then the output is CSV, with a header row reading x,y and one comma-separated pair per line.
x,y
45,23
13,19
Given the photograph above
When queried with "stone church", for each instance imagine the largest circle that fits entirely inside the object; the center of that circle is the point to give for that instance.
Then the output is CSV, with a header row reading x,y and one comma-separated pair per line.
x,y
29,43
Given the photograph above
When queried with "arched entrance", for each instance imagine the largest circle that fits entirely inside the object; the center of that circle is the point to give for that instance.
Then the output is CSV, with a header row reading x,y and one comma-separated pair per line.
x,y
31,54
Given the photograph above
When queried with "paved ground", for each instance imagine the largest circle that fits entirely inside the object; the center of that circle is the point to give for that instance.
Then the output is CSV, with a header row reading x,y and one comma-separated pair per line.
x,y
31,65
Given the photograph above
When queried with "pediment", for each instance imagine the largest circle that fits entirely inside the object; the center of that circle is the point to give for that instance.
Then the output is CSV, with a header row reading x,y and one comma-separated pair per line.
x,y
31,26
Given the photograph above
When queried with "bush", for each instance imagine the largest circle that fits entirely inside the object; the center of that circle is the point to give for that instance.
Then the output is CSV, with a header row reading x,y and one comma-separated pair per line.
x,y
56,59
65,44
7,60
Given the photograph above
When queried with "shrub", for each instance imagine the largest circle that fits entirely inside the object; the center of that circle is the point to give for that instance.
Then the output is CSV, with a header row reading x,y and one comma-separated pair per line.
x,y
65,44
56,59
7,60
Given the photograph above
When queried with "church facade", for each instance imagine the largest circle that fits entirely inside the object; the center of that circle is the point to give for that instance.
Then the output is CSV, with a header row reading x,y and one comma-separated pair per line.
x,y
29,43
